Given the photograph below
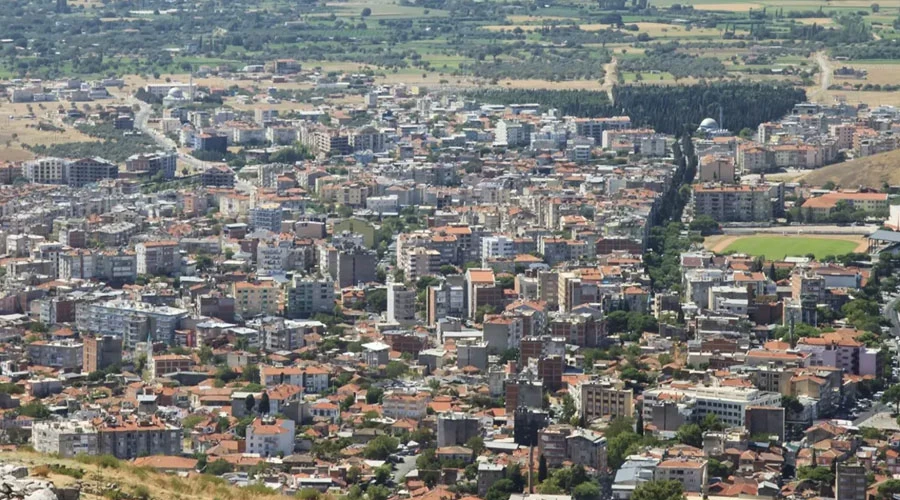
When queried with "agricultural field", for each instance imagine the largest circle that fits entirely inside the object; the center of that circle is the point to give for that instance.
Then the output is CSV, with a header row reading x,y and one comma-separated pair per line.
x,y
795,245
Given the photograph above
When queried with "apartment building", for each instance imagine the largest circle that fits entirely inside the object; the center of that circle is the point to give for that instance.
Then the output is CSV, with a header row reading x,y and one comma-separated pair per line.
x,y
594,127
137,436
267,216
150,164
401,303
313,379
742,203
691,473
65,438
307,296
417,262
604,398
401,405
728,403
90,170
134,322
819,208
218,176
254,299
101,352
850,481
62,354
445,300
46,170
168,363
269,437
157,257
512,133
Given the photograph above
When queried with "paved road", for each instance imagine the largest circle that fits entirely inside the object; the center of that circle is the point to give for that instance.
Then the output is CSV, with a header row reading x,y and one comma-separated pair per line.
x,y
403,468
871,412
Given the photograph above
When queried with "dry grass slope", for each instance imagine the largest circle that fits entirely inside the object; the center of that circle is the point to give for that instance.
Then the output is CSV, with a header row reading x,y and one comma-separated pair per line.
x,y
135,483
871,171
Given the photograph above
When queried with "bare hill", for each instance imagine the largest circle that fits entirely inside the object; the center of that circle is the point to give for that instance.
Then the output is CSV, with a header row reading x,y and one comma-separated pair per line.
x,y
871,171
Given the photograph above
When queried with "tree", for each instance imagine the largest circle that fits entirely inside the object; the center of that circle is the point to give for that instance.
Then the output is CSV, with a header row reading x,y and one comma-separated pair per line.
x,y
376,301
354,474
219,467
380,447
705,224
395,369
711,422
659,490
366,12
542,469
875,8
378,492
205,354
690,434
374,395
34,409
586,491
249,403
264,407
821,475
383,474
476,444
889,488
718,469
568,408
618,426
892,396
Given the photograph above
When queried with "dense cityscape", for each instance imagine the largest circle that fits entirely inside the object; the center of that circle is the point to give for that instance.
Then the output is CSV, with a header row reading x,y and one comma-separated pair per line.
x,y
277,280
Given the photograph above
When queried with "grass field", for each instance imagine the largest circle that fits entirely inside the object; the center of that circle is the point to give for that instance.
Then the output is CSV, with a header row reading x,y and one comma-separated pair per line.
x,y
777,247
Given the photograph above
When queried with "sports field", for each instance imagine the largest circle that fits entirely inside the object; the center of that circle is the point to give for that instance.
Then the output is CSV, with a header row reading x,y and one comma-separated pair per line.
x,y
778,247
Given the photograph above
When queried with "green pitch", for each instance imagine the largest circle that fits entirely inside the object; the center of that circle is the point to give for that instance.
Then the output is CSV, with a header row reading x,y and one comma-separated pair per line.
x,y
777,247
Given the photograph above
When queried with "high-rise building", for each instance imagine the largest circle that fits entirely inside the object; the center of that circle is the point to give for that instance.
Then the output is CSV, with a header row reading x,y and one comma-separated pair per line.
x,y
101,352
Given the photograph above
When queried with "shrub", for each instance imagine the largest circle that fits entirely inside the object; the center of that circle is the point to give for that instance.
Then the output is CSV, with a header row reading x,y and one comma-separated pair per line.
x,y
67,471
142,492
103,461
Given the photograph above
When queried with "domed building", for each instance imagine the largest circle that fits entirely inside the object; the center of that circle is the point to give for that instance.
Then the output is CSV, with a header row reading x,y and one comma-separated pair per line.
x,y
708,125
174,97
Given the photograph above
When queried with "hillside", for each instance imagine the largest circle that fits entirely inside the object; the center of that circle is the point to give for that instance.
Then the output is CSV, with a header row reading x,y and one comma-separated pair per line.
x,y
871,171
104,477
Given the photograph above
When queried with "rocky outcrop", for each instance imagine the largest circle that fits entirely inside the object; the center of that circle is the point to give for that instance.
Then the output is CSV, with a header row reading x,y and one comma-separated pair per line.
x,y
16,484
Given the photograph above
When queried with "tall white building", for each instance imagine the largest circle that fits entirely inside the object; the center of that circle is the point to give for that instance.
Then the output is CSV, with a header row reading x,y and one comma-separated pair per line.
x,y
47,170
512,133
728,403
401,303
496,247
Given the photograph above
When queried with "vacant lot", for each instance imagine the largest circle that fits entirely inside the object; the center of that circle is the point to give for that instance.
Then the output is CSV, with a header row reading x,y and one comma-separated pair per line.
x,y
871,171
779,247
19,126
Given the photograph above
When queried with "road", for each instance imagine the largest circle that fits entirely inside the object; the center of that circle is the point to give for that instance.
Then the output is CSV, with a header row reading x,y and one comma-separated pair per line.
x,y
611,77
826,74
871,412
142,123
403,468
